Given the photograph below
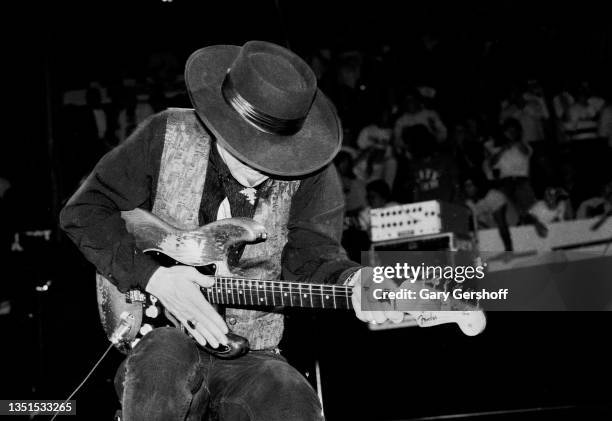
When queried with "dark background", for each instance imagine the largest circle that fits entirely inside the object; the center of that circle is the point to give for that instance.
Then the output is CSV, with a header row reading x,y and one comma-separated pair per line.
x,y
58,46
522,360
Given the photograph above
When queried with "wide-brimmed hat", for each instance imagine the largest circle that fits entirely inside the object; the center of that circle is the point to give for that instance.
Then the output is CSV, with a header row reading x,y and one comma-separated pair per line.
x,y
262,104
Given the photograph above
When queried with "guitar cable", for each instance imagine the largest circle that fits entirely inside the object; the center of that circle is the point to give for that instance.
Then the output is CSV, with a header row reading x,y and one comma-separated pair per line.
x,y
84,380
125,324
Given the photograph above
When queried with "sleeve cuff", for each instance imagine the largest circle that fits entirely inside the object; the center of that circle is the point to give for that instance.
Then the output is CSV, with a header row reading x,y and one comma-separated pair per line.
x,y
143,280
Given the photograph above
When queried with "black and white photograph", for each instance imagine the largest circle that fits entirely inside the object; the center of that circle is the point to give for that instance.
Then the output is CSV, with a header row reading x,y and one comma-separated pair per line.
x,y
289,210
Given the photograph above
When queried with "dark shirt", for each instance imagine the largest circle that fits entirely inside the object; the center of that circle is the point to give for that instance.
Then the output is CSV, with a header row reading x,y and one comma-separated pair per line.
x,y
435,179
126,178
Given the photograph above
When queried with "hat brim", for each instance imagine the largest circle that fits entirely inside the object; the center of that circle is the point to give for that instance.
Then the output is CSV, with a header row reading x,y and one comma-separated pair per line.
x,y
304,152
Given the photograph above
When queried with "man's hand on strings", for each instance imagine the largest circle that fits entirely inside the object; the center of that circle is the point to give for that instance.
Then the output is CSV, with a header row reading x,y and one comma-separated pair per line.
x,y
383,311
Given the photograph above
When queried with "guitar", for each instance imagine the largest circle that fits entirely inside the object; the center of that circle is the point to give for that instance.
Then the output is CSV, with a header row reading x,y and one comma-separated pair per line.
x,y
136,313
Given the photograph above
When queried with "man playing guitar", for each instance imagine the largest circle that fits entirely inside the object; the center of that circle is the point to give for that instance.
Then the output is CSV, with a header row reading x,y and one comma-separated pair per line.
x,y
258,145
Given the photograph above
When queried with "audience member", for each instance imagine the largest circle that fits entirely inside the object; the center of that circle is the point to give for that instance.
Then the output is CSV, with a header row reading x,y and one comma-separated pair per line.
x,y
483,206
510,166
98,114
405,145
598,205
605,121
352,187
467,148
136,110
376,160
554,207
581,121
415,114
529,108
434,172
347,97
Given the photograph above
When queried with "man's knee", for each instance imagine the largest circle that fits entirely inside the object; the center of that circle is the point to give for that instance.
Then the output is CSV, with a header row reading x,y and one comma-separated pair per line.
x,y
160,376
280,378
164,352
277,392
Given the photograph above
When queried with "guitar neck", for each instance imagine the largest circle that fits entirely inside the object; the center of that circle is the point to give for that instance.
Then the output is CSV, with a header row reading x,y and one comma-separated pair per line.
x,y
261,293
251,292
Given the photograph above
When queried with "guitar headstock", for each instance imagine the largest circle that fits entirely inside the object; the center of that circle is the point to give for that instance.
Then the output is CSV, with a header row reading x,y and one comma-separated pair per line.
x,y
471,323
432,303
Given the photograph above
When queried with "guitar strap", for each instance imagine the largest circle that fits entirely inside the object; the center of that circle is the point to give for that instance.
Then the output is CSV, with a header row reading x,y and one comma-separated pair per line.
x,y
180,189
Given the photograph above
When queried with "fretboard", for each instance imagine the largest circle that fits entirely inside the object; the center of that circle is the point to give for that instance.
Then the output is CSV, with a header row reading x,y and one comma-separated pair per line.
x,y
250,292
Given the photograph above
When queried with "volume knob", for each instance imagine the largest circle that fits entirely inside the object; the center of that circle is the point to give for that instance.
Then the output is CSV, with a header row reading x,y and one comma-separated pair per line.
x,y
152,311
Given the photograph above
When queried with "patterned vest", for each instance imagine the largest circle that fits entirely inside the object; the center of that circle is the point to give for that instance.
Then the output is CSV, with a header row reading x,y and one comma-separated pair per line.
x,y
180,188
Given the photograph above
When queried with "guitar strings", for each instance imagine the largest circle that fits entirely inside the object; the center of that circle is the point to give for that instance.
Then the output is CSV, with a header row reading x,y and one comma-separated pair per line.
x,y
231,290
311,289
280,290
262,281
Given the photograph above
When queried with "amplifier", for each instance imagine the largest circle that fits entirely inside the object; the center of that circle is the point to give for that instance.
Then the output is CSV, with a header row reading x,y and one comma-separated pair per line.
x,y
442,249
417,219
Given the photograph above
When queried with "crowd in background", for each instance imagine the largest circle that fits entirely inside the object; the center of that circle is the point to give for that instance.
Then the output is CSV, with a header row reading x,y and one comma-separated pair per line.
x,y
527,149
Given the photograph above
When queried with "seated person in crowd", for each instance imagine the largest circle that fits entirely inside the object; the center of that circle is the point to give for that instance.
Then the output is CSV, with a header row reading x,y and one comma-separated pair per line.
x,y
416,114
376,160
378,133
597,206
484,206
554,207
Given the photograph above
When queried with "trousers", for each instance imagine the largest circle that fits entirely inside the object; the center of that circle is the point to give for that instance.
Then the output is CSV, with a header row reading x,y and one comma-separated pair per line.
x,y
168,377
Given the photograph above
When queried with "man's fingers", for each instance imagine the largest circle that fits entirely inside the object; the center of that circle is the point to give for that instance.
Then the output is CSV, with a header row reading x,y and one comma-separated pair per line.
x,y
379,316
206,319
218,321
208,336
178,289
395,316
207,311
367,316
208,328
361,315
202,280
196,335
375,316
